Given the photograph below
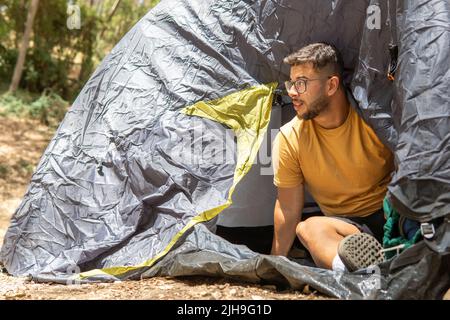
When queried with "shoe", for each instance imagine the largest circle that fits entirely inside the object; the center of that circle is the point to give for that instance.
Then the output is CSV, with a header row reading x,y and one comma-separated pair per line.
x,y
359,251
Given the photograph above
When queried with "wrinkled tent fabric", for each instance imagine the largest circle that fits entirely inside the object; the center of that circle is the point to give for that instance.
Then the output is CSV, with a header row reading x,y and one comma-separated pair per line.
x,y
119,194
420,188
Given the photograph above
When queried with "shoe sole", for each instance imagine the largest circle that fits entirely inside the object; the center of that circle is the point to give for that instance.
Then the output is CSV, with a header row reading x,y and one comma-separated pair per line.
x,y
359,251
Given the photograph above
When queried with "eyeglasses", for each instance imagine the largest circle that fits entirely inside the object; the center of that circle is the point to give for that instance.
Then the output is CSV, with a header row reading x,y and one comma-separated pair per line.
x,y
300,84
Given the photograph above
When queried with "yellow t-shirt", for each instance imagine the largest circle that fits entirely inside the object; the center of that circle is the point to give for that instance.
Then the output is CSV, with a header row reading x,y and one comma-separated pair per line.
x,y
346,169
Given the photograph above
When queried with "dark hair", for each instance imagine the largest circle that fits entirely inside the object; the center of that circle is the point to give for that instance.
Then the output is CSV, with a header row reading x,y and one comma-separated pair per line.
x,y
321,55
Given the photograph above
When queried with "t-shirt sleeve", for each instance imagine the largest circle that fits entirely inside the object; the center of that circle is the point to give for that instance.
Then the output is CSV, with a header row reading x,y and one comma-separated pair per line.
x,y
286,165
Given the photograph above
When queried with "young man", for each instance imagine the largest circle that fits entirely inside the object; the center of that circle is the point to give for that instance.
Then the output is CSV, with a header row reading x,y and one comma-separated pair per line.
x,y
328,149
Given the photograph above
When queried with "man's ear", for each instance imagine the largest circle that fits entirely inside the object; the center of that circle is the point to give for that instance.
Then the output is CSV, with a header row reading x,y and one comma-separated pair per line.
x,y
333,85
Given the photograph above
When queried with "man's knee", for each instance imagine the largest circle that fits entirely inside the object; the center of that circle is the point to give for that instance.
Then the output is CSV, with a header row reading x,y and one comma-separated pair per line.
x,y
315,228
309,229
301,230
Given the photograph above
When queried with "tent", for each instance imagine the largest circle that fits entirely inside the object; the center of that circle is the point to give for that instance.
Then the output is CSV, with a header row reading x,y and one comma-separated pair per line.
x,y
126,189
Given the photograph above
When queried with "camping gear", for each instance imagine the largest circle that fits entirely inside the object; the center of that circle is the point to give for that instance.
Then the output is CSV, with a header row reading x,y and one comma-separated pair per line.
x,y
134,181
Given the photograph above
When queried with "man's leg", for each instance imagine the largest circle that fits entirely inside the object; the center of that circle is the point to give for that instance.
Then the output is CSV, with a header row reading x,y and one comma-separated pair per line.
x,y
321,236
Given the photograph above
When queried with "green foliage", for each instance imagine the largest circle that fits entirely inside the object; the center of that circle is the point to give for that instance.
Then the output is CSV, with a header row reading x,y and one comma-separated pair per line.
x,y
49,108
12,18
4,171
3,24
12,105
60,59
23,167
128,14
8,58
51,61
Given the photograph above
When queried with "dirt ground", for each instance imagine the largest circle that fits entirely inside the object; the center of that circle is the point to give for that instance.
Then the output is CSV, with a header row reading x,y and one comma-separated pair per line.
x,y
22,143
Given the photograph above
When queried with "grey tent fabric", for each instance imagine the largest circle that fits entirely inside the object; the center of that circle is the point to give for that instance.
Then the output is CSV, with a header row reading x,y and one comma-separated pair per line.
x,y
116,188
420,188
370,86
417,273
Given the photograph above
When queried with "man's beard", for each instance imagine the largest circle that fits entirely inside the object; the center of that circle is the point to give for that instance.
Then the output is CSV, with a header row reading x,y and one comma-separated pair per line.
x,y
315,108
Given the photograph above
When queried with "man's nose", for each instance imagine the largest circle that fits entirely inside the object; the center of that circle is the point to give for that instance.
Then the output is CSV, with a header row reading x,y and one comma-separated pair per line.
x,y
292,92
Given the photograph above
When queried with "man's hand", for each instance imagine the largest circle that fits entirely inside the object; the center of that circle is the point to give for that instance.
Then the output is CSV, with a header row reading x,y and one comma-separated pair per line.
x,y
287,214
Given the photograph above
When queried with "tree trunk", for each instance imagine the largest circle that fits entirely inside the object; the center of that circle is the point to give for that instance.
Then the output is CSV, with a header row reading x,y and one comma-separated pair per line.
x,y
24,46
111,14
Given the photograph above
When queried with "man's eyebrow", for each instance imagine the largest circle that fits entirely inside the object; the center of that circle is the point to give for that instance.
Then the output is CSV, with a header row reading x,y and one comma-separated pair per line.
x,y
302,77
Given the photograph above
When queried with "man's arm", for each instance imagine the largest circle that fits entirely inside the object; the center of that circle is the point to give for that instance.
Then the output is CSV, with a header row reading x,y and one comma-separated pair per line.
x,y
287,214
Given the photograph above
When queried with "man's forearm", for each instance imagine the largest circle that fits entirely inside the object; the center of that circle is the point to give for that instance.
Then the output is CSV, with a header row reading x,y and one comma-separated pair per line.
x,y
287,214
285,224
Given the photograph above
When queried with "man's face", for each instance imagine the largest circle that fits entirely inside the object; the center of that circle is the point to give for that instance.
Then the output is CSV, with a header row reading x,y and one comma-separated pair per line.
x,y
313,101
